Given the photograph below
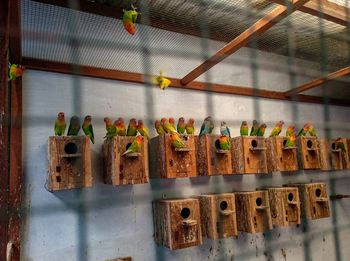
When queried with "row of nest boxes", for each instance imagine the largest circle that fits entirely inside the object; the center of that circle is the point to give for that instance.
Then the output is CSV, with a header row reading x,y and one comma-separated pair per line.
x,y
181,223
70,160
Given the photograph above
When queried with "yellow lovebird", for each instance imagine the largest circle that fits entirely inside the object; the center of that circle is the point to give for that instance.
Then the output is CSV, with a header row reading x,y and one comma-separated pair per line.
x,y
161,81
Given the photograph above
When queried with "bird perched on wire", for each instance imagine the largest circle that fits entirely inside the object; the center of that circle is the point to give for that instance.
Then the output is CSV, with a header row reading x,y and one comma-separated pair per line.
x,y
15,71
176,141
224,130
120,126
169,128
135,145
277,129
87,128
181,125
111,130
74,126
132,128
261,130
159,128
129,20
290,131
255,128
207,126
60,124
161,81
142,129
190,126
244,129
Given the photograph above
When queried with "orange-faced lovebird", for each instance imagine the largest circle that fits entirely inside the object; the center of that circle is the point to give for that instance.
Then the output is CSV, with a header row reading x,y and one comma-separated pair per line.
x,y
181,125
167,126
74,126
120,125
190,126
305,129
312,131
277,129
261,130
159,128
172,122
225,143
142,129
16,71
129,20
290,131
111,130
224,130
60,124
244,129
135,145
290,141
340,145
87,128
177,142
255,128
207,126
132,128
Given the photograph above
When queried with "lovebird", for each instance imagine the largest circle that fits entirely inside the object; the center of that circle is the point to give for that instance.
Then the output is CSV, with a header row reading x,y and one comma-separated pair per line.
x,y
312,131
304,130
224,130
60,124
261,130
161,81
225,143
190,126
290,130
177,142
277,129
244,129
16,71
142,129
110,128
255,128
290,141
172,122
207,126
167,126
129,20
132,128
181,125
74,126
159,128
340,145
87,128
120,126
135,145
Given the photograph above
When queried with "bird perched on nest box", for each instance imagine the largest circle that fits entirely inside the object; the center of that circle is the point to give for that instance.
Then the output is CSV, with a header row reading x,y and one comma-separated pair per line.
x,y
181,125
60,124
74,126
177,141
207,126
87,128
161,81
132,128
190,126
142,129
224,130
159,128
290,131
255,128
290,141
110,128
120,125
225,143
305,129
261,130
129,20
135,145
169,128
277,129
244,129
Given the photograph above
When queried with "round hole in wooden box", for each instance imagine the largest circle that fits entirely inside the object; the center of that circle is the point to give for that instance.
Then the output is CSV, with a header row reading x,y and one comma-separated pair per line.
x,y
254,143
333,146
223,205
309,144
290,196
259,201
318,192
185,212
284,142
71,148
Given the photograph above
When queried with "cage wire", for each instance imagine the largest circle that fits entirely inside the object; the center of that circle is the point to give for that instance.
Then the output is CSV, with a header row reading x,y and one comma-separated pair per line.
x,y
314,47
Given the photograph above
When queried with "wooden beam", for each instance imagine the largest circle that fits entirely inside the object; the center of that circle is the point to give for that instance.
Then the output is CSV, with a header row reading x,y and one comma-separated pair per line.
x,y
324,9
315,83
49,66
255,30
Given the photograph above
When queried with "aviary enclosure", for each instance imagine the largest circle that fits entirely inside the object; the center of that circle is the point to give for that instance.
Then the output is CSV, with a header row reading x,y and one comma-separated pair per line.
x,y
174,130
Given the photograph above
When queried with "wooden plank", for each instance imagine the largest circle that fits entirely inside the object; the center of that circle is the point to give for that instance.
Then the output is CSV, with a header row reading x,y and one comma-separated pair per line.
x,y
318,82
4,127
324,9
255,30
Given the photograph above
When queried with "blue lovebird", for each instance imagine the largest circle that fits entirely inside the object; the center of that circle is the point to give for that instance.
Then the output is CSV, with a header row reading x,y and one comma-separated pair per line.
x,y
207,126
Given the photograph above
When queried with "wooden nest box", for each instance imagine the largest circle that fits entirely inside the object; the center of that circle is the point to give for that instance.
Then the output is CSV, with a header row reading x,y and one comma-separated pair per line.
x,y
126,169
218,215
211,160
309,152
69,162
170,162
249,155
279,157
332,157
253,211
177,223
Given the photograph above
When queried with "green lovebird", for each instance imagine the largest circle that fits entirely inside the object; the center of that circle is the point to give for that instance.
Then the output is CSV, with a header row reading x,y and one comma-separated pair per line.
x,y
225,143
74,126
340,145
290,141
87,128
304,130
120,125
255,128
111,130
244,129
290,131
60,124
177,141
159,128
261,130
190,126
142,129
135,145
169,128
207,126
277,129
132,128
181,125
312,131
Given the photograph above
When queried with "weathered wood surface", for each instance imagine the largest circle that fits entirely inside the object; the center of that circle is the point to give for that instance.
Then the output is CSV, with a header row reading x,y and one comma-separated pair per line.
x,y
249,155
308,152
285,206
210,159
167,162
279,158
121,259
123,170
177,223
314,200
253,211
325,155
218,215
69,165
